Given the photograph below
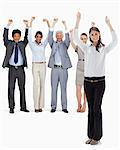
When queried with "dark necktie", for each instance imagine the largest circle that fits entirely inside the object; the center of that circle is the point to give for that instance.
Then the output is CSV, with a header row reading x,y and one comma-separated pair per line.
x,y
16,53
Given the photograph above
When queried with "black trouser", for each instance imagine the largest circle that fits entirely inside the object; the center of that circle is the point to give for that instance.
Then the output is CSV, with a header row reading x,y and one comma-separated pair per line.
x,y
19,74
94,93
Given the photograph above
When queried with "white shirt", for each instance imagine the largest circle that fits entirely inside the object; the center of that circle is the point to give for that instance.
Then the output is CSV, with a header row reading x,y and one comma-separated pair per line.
x,y
94,60
20,58
57,54
38,50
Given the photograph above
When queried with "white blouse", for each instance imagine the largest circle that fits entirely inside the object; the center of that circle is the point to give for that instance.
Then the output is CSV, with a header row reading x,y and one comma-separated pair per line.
x,y
94,60
38,50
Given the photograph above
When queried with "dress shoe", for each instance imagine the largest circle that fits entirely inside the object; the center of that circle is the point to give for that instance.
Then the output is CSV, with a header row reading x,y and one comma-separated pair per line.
x,y
25,110
11,111
37,110
40,110
88,141
94,142
53,110
65,110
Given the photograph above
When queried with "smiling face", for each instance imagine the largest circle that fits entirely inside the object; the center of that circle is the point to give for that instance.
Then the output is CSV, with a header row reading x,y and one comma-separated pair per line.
x,y
94,36
59,36
16,37
38,38
83,38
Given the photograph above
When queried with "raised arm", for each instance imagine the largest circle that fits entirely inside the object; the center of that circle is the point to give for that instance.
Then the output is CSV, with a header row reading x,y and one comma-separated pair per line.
x,y
48,24
30,30
76,36
114,36
50,35
71,39
26,32
67,38
6,30
47,21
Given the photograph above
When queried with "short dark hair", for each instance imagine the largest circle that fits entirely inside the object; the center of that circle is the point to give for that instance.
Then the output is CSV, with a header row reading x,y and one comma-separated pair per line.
x,y
39,32
84,34
16,31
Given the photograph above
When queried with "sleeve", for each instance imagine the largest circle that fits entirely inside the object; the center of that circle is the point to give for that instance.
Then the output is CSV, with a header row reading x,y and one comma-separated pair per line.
x,y
46,41
113,42
67,39
50,37
5,36
82,46
30,36
26,37
76,49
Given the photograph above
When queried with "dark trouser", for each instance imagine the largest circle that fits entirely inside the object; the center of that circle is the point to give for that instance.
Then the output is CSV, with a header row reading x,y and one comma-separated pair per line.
x,y
94,93
19,74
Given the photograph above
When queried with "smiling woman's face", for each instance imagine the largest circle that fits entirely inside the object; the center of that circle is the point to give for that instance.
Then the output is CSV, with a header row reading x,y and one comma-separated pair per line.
x,y
38,38
84,38
94,36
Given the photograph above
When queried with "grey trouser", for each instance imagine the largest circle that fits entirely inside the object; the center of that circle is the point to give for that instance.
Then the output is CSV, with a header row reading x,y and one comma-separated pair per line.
x,y
59,75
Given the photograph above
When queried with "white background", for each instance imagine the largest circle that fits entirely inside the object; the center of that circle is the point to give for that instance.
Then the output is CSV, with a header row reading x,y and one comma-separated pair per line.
x,y
59,130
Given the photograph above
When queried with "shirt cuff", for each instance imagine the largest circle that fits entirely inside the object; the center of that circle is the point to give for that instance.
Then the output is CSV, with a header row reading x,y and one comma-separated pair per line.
x,y
51,29
66,31
7,27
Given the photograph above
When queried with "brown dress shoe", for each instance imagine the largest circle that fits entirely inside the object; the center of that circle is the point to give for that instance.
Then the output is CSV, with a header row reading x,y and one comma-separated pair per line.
x,y
94,142
88,141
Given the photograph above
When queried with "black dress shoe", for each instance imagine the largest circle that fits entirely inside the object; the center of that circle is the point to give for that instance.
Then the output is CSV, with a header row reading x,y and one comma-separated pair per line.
x,y
53,110
25,110
65,110
11,111
40,110
37,110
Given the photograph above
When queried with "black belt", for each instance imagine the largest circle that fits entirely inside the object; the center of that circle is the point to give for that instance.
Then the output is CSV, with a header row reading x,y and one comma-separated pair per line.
x,y
58,66
94,79
16,67
81,60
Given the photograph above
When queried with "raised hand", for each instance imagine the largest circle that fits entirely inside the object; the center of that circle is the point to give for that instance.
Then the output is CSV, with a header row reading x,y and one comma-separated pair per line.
x,y
71,31
47,21
32,18
64,23
107,20
10,21
55,20
31,21
78,17
93,24
26,22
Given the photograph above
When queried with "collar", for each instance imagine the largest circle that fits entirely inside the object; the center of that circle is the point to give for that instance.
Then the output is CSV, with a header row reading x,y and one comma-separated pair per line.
x,y
38,43
59,42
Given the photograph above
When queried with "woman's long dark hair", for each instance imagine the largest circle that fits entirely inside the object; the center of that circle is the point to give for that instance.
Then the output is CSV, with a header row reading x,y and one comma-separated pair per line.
x,y
99,44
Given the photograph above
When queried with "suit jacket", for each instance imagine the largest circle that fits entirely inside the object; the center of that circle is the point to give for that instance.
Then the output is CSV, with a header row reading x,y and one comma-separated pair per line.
x,y
64,45
9,44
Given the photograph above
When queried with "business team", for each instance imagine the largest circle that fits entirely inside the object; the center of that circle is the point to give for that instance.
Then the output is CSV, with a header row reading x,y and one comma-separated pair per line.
x,y
90,70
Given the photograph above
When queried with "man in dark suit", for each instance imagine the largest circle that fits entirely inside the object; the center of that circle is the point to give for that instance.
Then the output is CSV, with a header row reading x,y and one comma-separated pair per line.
x,y
15,60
